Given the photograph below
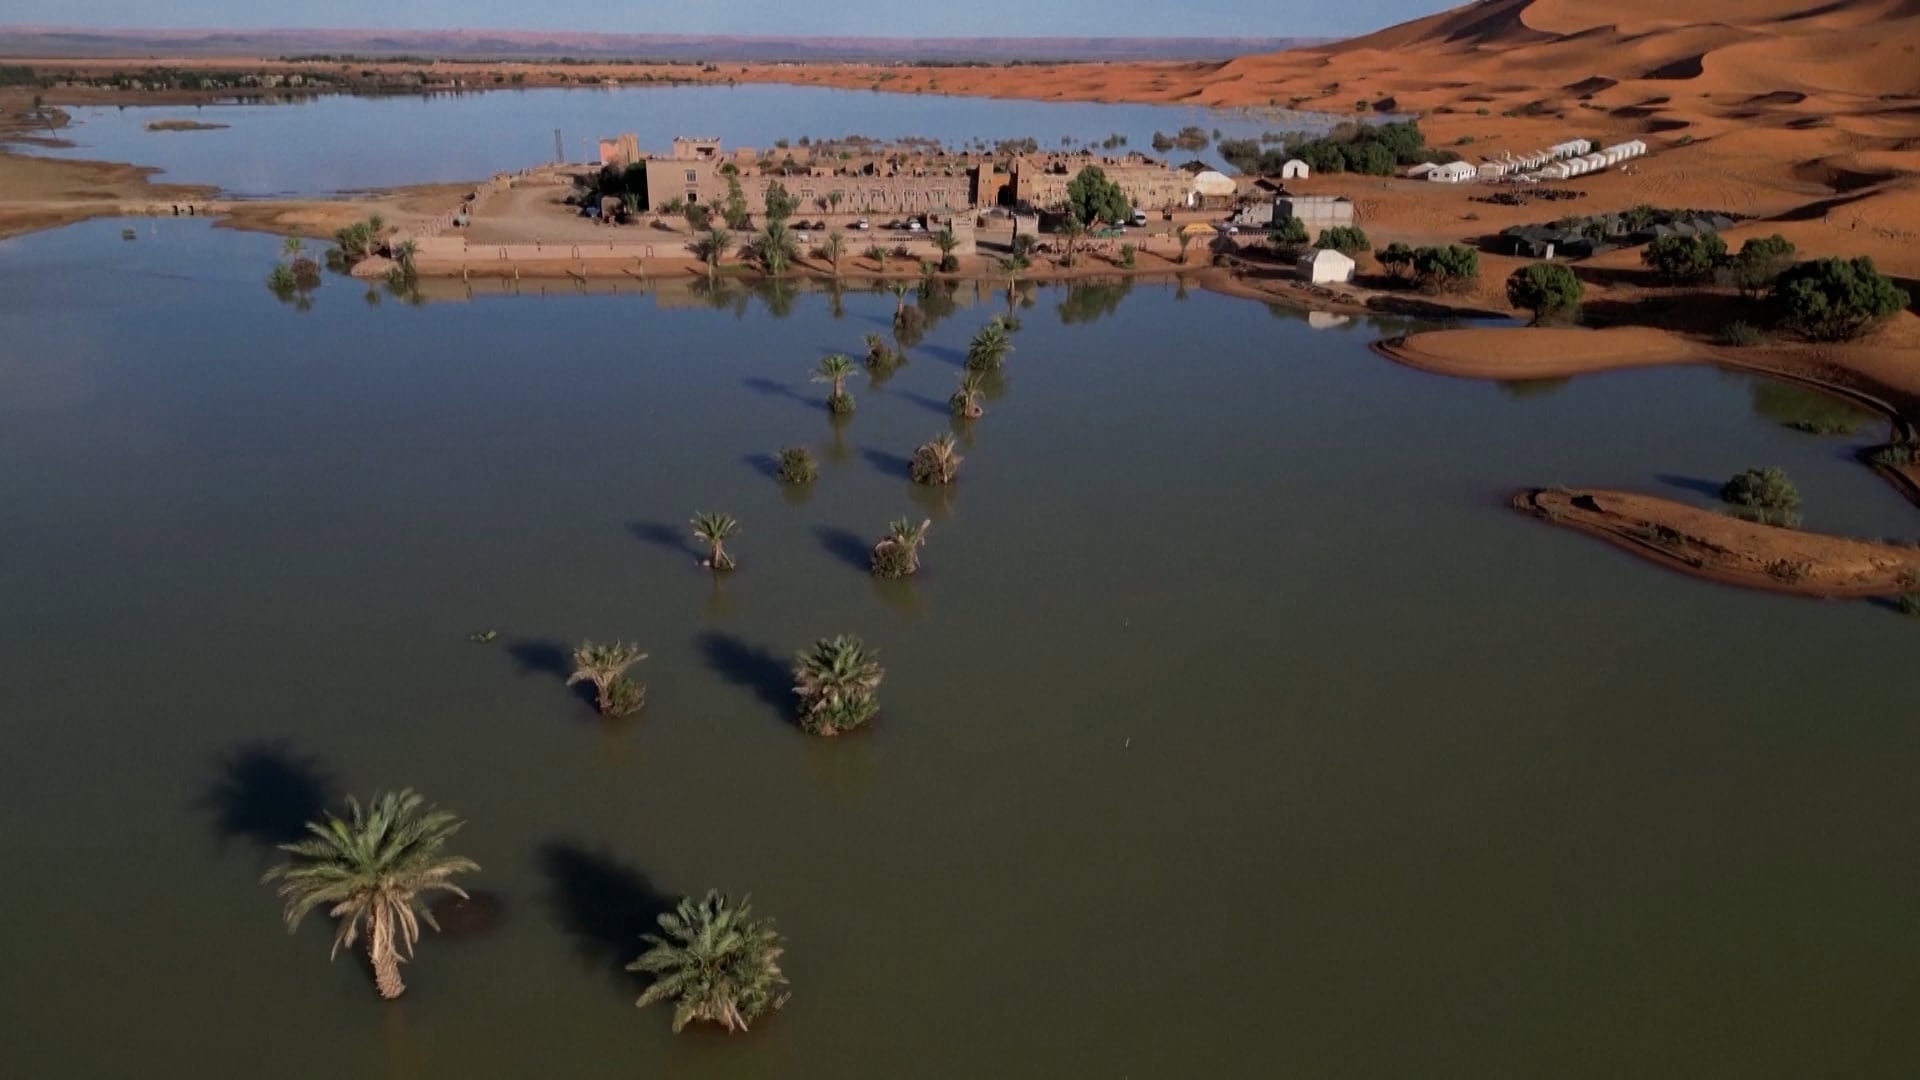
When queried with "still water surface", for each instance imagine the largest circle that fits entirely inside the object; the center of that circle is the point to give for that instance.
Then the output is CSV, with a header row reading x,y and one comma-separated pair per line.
x,y
1234,728
339,143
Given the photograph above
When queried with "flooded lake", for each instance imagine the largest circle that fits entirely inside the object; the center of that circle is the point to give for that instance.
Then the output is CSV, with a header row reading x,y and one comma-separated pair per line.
x,y
1235,727
342,143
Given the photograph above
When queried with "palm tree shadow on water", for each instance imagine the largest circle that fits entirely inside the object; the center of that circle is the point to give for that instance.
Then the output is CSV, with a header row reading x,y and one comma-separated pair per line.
x,y
845,546
662,535
602,904
265,793
751,667
550,659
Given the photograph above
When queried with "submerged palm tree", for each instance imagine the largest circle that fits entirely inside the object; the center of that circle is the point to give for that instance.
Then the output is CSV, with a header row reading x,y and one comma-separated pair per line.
x,y
989,348
293,247
967,402
836,681
713,530
880,355
897,554
605,666
935,461
900,290
369,872
716,963
834,370
797,466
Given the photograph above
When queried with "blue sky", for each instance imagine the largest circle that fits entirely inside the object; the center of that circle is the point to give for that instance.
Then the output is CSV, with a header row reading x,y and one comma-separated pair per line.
x,y
880,18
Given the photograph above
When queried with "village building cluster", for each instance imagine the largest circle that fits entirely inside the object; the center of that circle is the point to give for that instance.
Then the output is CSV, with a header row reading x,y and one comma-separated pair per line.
x,y
912,179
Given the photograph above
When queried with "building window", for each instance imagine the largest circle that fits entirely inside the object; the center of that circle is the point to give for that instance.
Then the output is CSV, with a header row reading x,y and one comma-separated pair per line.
x,y
692,177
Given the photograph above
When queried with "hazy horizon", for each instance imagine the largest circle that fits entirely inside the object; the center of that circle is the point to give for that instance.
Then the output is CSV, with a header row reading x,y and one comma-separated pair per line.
x,y
987,19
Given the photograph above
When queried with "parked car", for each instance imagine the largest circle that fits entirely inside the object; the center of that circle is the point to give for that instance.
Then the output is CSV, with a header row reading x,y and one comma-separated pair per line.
x,y
863,224
915,226
1139,219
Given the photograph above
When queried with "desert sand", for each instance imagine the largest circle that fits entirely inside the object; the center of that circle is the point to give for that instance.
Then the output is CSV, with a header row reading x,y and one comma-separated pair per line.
x,y
1727,549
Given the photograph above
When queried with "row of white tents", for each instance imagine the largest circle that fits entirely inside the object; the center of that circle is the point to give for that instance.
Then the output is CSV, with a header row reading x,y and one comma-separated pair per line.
x,y
1461,172
1592,163
1575,157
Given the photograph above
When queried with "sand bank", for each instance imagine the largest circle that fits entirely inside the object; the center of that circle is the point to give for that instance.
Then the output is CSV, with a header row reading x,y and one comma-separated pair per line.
x,y
1719,547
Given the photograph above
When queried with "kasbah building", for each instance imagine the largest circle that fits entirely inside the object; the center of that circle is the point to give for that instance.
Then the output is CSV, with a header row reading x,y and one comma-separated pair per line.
x,y
903,180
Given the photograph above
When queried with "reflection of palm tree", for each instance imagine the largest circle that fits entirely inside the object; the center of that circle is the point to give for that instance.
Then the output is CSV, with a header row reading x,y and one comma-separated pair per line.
x,y
371,869
714,530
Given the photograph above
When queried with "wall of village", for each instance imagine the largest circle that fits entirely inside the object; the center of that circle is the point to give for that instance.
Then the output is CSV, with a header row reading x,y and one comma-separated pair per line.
x,y
1147,187
702,182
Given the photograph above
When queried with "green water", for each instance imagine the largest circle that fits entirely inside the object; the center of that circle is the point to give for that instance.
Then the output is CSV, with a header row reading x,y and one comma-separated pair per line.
x,y
1234,728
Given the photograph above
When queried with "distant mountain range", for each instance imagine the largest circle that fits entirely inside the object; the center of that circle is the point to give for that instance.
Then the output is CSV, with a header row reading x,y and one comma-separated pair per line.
x,y
64,42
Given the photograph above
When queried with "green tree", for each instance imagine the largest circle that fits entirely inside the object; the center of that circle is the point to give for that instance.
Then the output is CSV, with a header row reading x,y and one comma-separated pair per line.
x,y
1346,239
605,666
834,248
1185,240
716,963
1093,198
1835,299
734,209
897,554
712,247
989,348
369,872
780,204
968,402
936,462
946,241
878,254
796,466
1449,268
775,246
292,247
1760,262
1685,260
834,370
714,530
837,682
1287,237
1071,230
1548,290
1397,258
1765,495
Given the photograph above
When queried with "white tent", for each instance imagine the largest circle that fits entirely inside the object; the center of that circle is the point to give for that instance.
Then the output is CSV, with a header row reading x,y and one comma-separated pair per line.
x,y
1211,184
1325,268
1453,173
1294,170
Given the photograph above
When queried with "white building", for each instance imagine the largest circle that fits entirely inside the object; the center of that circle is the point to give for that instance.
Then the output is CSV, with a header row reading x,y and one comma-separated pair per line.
x,y
1458,172
1294,170
1325,268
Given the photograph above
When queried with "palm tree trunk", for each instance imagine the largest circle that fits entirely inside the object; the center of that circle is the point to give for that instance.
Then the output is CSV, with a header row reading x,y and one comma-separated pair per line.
x,y
386,962
604,698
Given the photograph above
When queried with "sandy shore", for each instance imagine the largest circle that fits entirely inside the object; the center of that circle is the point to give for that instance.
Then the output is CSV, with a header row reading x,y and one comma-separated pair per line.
x,y
1722,548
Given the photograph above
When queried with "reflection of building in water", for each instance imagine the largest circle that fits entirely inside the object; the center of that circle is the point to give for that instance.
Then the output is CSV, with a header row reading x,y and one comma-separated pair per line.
x,y
1326,320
